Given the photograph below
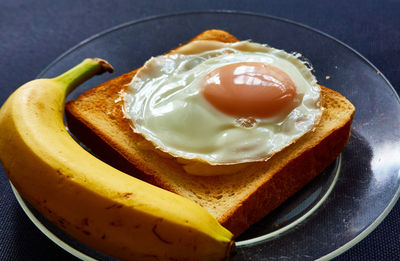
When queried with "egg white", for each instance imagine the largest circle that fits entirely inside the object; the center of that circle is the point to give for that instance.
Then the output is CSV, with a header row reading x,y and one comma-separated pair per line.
x,y
165,105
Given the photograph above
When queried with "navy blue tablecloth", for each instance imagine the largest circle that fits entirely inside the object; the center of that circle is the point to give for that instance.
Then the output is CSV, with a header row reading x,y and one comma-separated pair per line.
x,y
34,33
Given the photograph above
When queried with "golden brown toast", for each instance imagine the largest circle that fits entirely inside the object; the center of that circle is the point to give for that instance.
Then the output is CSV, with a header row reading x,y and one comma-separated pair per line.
x,y
237,200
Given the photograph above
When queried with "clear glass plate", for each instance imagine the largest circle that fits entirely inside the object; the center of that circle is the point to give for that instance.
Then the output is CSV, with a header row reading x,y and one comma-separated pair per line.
x,y
337,209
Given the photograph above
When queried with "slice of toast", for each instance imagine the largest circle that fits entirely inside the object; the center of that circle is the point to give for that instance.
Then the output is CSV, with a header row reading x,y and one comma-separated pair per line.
x,y
237,200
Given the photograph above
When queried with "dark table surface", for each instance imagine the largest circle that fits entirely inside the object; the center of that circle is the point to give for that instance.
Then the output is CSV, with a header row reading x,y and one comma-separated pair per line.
x,y
34,33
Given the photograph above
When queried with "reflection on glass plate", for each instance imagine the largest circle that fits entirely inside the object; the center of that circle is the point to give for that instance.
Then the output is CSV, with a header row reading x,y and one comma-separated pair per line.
x,y
334,211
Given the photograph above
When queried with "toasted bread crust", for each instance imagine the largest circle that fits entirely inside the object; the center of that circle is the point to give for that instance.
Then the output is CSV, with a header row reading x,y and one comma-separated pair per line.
x,y
236,200
286,182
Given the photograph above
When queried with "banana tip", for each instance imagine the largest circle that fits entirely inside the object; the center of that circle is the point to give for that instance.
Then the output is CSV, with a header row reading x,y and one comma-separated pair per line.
x,y
231,250
105,66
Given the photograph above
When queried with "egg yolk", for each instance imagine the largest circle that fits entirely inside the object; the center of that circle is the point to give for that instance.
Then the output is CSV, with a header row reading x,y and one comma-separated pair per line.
x,y
250,89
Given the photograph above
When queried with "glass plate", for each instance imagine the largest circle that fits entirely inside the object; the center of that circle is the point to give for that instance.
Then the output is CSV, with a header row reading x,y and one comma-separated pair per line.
x,y
337,209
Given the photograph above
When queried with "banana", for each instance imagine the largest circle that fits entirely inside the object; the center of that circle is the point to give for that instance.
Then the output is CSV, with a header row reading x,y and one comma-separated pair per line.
x,y
100,206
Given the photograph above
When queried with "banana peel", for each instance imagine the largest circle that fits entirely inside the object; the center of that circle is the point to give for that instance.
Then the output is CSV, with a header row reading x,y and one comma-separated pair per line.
x,y
95,203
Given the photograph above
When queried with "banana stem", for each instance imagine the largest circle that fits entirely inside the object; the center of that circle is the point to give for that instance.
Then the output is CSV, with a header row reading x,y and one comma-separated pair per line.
x,y
82,72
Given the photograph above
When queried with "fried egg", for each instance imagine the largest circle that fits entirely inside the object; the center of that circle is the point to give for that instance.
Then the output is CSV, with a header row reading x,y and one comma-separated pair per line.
x,y
223,103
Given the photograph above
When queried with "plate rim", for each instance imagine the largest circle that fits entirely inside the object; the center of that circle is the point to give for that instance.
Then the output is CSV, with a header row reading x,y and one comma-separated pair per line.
x,y
396,196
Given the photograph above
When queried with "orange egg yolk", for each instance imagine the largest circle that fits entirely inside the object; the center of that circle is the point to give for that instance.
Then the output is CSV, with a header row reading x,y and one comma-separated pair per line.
x,y
250,89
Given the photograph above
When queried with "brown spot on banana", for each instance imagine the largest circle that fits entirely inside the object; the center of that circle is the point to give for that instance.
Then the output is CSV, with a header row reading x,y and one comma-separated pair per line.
x,y
116,223
63,223
150,256
48,210
115,206
85,222
127,195
155,232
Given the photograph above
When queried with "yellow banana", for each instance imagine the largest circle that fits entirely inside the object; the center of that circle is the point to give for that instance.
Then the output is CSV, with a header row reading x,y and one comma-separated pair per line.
x,y
95,203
